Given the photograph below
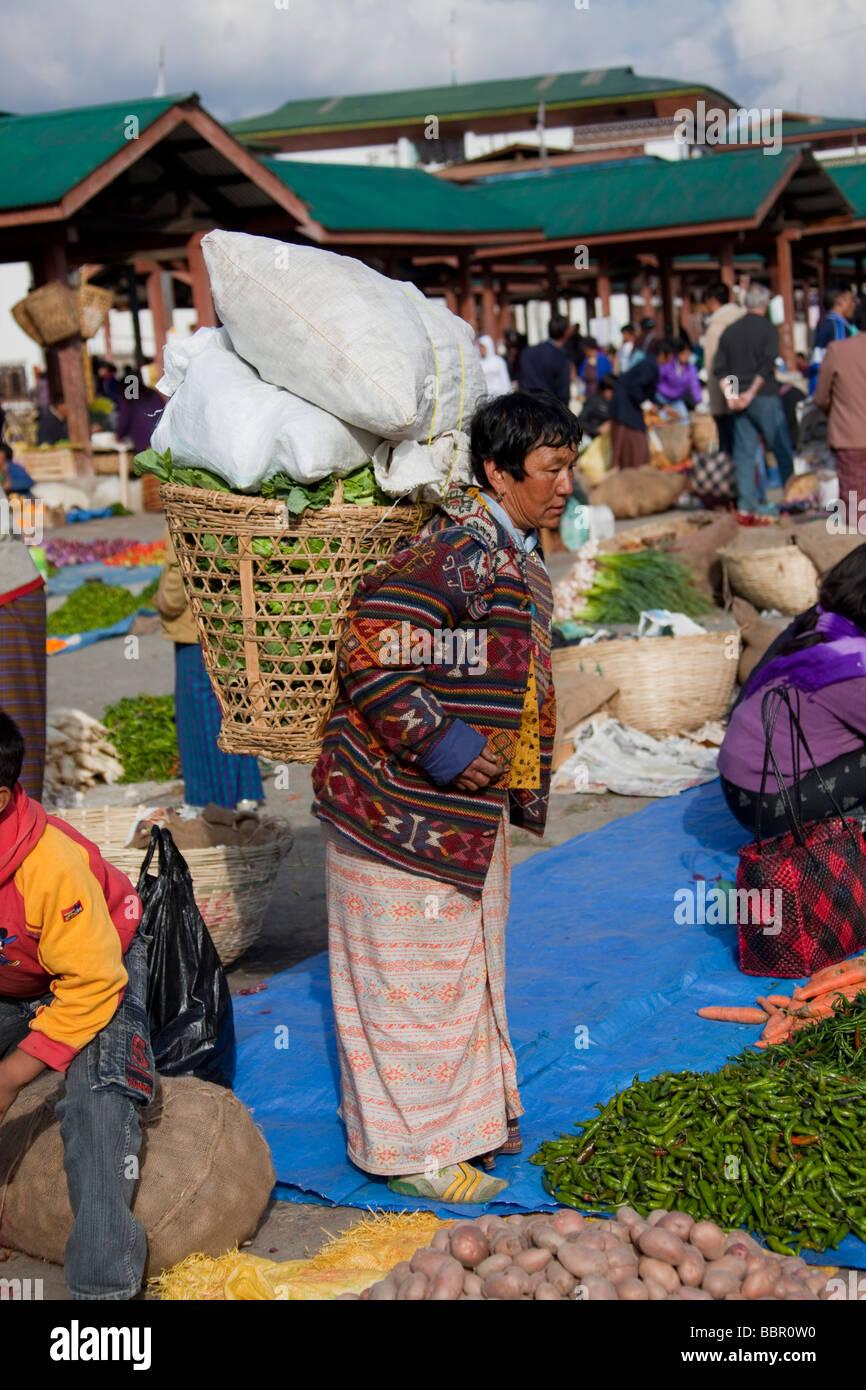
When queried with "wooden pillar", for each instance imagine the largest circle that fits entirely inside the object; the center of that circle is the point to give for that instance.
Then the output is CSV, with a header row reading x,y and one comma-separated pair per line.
x,y
667,282
726,264
156,305
451,298
603,285
467,296
552,288
503,318
68,359
825,265
488,306
784,277
202,301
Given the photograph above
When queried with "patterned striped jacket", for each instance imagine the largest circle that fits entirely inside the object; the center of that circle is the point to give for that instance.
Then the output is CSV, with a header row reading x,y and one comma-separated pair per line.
x,y
401,730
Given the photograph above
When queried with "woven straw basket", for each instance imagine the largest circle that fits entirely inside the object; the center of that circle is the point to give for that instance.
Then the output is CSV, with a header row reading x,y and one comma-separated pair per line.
x,y
705,435
676,440
666,684
233,883
269,593
49,314
93,306
780,577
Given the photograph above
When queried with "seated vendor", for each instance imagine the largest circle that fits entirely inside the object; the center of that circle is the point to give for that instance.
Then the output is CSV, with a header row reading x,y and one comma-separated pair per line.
x,y
595,416
73,983
14,478
821,657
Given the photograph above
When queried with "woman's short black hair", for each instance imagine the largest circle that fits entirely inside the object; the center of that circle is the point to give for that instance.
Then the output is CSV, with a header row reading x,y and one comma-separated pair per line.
x,y
507,428
11,751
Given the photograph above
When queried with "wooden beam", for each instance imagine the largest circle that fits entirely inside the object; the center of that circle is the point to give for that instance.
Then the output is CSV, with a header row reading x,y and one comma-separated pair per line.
x,y
467,296
68,359
488,306
785,283
156,305
603,284
202,300
667,287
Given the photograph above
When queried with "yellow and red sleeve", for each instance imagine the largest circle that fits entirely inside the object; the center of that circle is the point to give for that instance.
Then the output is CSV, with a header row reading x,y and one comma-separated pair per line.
x,y
77,945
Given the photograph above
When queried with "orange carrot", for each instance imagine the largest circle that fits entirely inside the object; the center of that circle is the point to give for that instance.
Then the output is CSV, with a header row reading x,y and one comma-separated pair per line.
x,y
723,1013
777,1029
782,1001
847,977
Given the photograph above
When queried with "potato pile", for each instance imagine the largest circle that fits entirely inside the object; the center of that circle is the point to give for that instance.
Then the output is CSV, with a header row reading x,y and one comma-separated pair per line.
x,y
559,1255
78,754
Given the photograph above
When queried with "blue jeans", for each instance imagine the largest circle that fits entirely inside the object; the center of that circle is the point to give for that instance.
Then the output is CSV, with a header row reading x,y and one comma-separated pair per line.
x,y
679,406
764,417
99,1121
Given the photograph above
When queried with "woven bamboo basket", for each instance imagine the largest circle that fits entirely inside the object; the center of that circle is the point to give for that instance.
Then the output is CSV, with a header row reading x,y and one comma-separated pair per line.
x,y
151,500
269,593
50,465
666,684
676,440
704,433
93,304
780,577
233,884
49,314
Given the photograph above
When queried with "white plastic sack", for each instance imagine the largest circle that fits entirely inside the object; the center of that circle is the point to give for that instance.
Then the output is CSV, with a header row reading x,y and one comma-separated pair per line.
x,y
401,468
611,756
371,350
222,416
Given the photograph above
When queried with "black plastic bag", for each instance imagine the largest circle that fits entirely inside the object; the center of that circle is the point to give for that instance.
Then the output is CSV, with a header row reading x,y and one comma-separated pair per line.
x,y
189,1006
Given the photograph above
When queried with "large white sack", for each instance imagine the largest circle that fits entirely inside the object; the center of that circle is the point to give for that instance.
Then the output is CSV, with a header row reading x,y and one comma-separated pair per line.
x,y
401,468
222,416
372,350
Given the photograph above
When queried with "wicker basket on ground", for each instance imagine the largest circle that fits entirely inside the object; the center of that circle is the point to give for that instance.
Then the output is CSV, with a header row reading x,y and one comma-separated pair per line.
x,y
666,684
676,440
705,435
269,593
778,576
233,883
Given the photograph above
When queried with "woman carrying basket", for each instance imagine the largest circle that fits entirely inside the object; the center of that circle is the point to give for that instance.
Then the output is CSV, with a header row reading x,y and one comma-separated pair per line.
x,y
442,733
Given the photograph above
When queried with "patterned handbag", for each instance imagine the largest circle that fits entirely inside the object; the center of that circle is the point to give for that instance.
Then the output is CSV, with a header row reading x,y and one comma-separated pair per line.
x,y
714,478
809,884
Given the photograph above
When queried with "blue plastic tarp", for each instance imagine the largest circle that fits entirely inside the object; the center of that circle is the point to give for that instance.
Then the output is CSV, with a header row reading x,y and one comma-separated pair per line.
x,y
602,984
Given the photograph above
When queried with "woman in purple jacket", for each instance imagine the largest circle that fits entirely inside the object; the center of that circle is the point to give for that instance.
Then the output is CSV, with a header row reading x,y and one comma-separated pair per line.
x,y
679,385
821,657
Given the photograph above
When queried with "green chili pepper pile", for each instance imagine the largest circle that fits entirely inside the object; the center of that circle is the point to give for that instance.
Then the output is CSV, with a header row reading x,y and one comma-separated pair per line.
x,y
771,1142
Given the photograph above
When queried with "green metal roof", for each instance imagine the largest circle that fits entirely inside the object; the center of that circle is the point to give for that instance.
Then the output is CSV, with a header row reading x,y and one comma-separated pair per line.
x,y
821,125
850,179
639,193
362,197
505,96
43,156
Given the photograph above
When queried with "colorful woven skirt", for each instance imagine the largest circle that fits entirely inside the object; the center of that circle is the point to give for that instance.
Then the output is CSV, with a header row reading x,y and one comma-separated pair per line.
x,y
209,774
22,680
428,1072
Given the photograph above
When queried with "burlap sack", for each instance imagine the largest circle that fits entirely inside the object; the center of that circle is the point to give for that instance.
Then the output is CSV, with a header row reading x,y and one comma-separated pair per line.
x,y
206,1173
578,695
632,492
699,549
824,548
757,633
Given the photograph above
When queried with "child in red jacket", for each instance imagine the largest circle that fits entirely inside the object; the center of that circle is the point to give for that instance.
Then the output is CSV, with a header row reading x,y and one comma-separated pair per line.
x,y
73,982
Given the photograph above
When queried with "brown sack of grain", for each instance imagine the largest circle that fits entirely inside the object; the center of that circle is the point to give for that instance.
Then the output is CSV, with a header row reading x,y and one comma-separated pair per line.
x,y
206,1173
632,492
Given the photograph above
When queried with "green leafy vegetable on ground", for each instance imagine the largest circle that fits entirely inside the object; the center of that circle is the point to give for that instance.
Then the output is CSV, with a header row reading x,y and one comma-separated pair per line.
x,y
94,605
771,1141
627,584
144,734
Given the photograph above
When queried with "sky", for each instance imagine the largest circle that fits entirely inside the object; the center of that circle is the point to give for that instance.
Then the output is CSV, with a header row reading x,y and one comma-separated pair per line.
x,y
245,57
